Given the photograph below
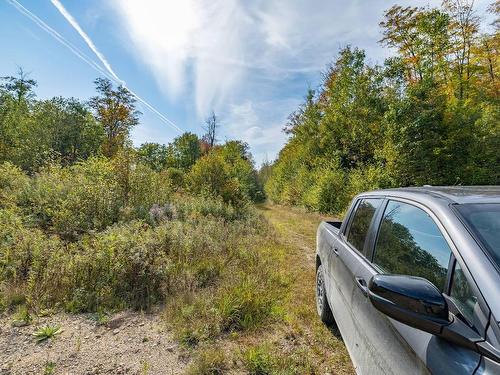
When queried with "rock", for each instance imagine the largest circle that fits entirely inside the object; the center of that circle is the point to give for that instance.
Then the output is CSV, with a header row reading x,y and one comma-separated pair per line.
x,y
116,331
19,323
116,322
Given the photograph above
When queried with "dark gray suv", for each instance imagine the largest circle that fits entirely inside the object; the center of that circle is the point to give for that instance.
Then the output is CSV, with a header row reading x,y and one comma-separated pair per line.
x,y
411,277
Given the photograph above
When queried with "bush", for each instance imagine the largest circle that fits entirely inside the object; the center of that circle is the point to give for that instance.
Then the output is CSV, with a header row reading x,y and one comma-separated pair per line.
x,y
91,195
210,177
12,183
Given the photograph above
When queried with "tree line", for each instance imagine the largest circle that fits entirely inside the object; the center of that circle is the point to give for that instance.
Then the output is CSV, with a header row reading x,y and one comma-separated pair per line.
x,y
429,114
37,134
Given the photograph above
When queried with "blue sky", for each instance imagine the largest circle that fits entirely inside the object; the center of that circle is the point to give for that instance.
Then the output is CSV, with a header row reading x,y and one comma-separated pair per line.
x,y
249,61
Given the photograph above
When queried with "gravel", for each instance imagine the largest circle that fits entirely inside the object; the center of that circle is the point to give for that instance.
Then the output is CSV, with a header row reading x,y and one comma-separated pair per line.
x,y
129,343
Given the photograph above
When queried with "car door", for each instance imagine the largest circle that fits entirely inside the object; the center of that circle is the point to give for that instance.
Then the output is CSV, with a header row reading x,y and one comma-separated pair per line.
x,y
409,241
370,337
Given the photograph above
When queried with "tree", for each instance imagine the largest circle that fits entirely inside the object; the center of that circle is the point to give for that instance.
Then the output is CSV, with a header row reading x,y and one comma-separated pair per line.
x,y
153,154
421,37
464,28
211,126
21,87
68,128
184,151
116,111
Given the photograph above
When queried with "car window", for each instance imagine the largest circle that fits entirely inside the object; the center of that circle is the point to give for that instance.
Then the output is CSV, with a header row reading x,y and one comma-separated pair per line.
x,y
410,243
462,295
484,220
361,222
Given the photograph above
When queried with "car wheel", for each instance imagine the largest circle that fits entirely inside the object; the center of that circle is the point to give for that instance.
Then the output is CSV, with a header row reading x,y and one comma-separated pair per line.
x,y
322,306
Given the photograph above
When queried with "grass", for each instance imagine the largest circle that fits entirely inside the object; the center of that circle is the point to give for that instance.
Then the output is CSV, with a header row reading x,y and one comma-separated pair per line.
x,y
300,343
49,368
210,361
47,332
263,318
22,317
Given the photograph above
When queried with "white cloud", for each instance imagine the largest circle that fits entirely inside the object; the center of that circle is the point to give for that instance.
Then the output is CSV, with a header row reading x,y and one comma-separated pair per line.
x,y
232,56
84,36
213,48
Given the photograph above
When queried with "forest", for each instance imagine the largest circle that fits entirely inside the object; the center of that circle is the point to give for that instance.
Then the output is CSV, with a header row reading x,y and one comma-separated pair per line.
x,y
430,114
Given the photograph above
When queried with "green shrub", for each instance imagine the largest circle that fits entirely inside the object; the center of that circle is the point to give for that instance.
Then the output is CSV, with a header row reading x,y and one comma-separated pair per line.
x,y
211,177
12,183
92,195
176,178
74,200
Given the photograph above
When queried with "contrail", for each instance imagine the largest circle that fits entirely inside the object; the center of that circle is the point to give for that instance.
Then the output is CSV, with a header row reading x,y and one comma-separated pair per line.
x,y
84,35
78,53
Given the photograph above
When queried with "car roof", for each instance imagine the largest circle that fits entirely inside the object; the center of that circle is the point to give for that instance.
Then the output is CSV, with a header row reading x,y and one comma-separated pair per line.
x,y
445,194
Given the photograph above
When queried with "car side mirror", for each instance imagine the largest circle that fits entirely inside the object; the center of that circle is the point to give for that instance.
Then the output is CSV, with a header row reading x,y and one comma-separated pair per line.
x,y
416,302
411,300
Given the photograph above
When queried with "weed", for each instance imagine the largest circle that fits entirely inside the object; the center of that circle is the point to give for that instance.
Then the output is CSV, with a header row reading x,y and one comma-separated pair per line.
x,y
22,317
209,361
145,366
47,332
258,360
100,317
49,368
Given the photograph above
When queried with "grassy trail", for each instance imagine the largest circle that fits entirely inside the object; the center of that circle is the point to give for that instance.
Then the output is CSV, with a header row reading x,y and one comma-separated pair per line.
x,y
321,346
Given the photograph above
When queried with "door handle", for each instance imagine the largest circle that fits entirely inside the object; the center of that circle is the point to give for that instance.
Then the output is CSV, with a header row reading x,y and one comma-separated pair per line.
x,y
335,250
361,283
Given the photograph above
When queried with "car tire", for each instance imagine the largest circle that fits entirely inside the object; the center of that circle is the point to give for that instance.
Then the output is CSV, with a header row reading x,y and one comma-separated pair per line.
x,y
322,305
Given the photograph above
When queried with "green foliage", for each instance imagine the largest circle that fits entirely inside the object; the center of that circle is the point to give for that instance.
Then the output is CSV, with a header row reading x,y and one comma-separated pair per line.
x,y
183,152
211,176
49,368
259,360
34,133
430,115
22,317
13,182
154,155
227,172
47,332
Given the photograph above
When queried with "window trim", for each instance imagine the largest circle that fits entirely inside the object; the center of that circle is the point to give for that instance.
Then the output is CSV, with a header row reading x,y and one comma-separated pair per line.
x,y
436,221
352,215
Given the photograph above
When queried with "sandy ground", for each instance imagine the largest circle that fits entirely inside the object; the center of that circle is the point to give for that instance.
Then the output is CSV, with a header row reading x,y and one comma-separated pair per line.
x,y
129,343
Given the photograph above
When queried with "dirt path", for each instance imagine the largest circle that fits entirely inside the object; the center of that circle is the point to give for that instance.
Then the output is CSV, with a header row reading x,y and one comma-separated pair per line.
x,y
297,229
129,343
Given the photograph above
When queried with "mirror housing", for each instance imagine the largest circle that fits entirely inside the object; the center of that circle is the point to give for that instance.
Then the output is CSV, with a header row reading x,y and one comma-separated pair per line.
x,y
410,300
417,303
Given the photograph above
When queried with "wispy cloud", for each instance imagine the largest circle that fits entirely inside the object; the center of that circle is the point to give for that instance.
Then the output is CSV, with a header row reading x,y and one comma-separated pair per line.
x,y
215,49
82,56
85,37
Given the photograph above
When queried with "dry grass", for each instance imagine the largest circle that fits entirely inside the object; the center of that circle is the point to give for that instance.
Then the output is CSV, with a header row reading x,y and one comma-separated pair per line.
x,y
298,342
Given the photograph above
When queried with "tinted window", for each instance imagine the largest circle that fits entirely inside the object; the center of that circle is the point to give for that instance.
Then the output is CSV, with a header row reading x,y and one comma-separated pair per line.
x,y
410,243
461,293
484,220
361,222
